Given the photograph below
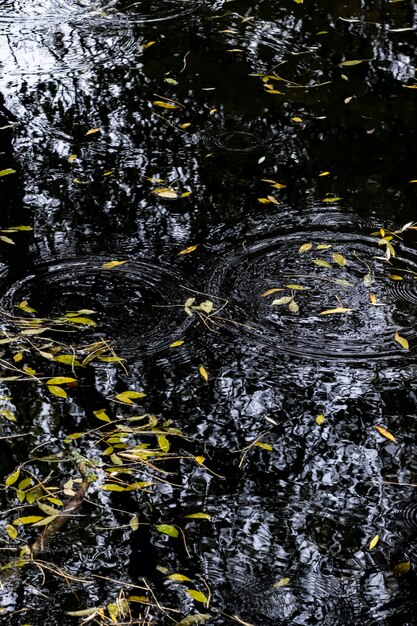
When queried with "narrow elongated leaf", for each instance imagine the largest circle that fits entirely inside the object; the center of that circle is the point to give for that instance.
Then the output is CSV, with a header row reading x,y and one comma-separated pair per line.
x,y
339,309
102,415
305,247
197,618
179,577
165,105
29,519
271,291
203,373
401,340
385,433
321,263
199,515
176,344
339,259
57,391
12,478
373,542
111,264
281,583
83,612
188,250
7,171
283,300
165,192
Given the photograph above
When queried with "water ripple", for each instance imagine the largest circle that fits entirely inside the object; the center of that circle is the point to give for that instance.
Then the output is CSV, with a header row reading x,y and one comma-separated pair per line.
x,y
132,301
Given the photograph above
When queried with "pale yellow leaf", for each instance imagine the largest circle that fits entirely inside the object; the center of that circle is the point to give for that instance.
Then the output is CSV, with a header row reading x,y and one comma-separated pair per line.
x,y
165,105
110,264
385,433
401,340
320,419
92,131
305,247
339,309
188,250
339,259
57,391
373,542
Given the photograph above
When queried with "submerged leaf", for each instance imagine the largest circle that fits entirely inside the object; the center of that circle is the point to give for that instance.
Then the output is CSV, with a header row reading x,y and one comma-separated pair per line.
x,y
320,419
401,569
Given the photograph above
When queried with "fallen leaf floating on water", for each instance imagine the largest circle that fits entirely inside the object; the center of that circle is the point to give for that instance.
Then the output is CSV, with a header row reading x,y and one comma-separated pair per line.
x,y
320,419
350,63
203,373
197,618
339,309
321,263
271,291
339,259
7,171
283,300
332,199
264,446
323,246
165,192
167,529
305,247
199,515
92,131
61,380
147,45
176,344
71,158
396,277
368,280
281,583
179,577
57,391
401,340
197,595
127,397
165,105
385,433
110,264
297,120
373,542
324,174
297,287
293,306
188,250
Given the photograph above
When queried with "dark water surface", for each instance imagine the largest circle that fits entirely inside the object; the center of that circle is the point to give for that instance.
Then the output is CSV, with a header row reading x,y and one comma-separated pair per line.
x,y
281,144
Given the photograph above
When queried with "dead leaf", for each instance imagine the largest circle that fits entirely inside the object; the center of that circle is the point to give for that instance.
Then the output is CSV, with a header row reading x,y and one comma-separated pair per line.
x,y
339,309
188,250
401,340
385,433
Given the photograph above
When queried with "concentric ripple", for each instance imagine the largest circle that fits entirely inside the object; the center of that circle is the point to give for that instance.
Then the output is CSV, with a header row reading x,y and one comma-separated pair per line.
x,y
155,11
356,278
132,301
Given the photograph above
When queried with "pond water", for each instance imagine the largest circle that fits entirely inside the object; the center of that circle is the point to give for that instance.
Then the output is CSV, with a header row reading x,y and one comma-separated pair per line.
x,y
250,165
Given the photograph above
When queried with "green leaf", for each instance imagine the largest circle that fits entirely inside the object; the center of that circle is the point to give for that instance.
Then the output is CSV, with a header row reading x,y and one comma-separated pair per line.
x,y
82,320
321,263
7,172
197,595
167,529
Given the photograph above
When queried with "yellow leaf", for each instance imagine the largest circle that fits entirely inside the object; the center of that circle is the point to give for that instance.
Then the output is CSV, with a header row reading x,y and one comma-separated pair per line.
x,y
415,179
57,391
279,186
102,415
147,45
197,595
265,200
264,446
203,373
167,529
30,519
297,287
396,277
296,119
8,415
25,307
401,340
321,263
200,459
186,125
134,523
92,131
332,199
323,246
178,577
293,306
110,264
339,259
281,583
7,172
165,105
85,321
270,291
385,433
339,309
198,516
60,380
350,63
283,300
320,419
128,396
165,192
305,247
372,298
324,173
72,158
18,357
373,542
12,478
163,443
7,240
188,250
112,487
176,344
11,531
